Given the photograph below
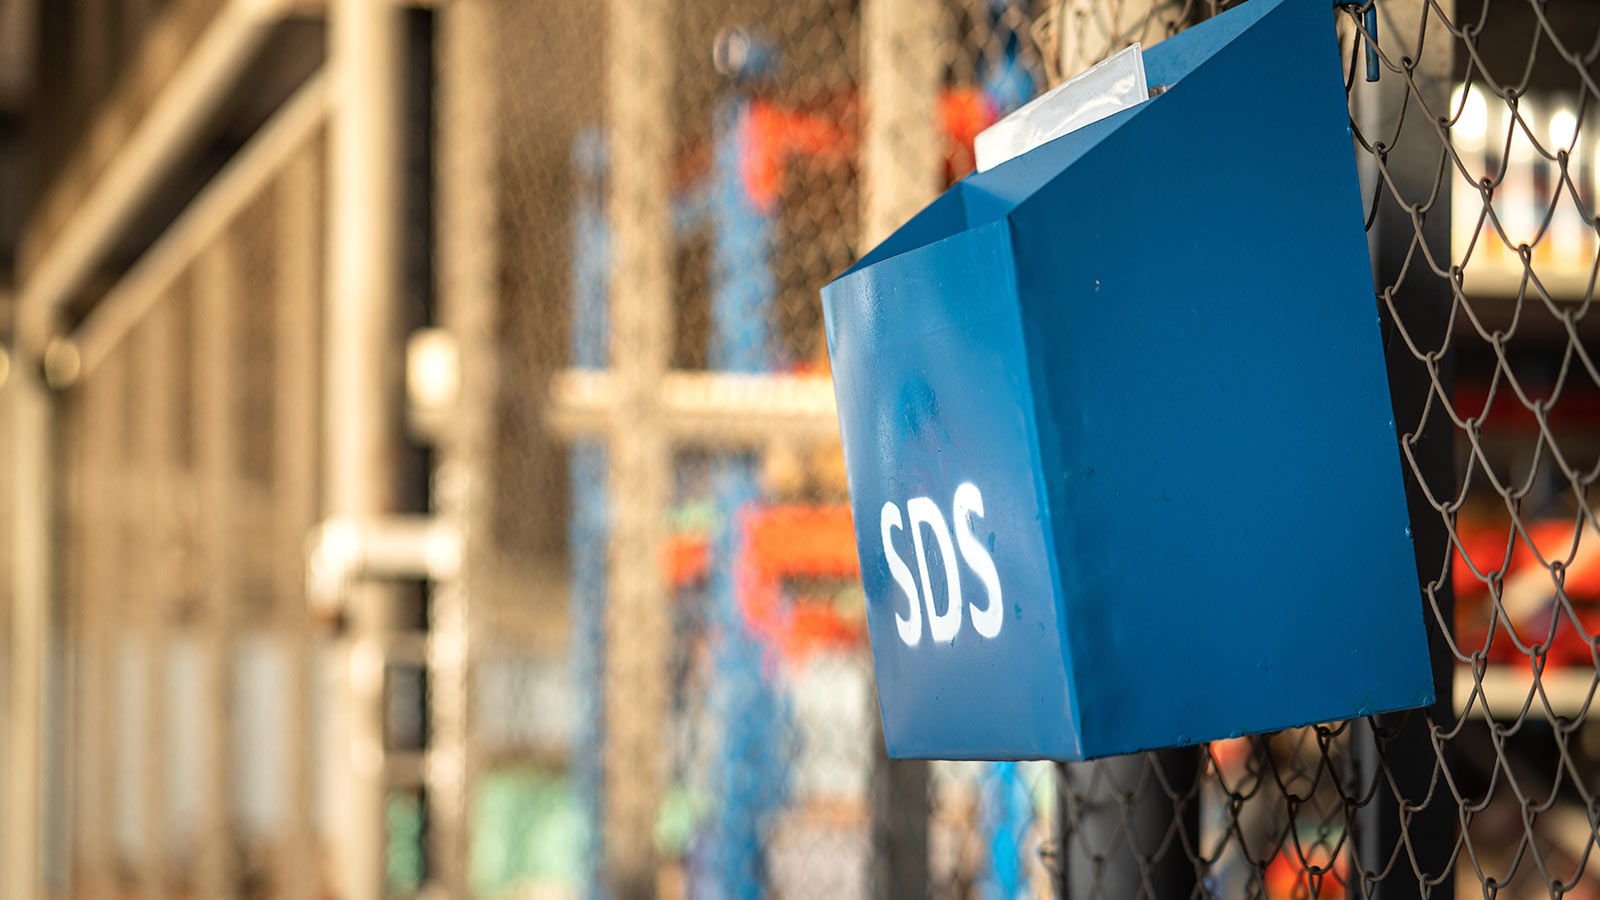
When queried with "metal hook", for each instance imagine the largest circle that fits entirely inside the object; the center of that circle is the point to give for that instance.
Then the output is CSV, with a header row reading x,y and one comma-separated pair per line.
x,y
1369,21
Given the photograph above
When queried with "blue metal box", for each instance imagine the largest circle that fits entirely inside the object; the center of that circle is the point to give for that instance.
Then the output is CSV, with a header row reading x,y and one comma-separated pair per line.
x,y
1117,426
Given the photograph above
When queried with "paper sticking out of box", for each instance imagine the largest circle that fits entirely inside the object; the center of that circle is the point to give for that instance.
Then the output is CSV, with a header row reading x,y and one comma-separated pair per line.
x,y
1108,87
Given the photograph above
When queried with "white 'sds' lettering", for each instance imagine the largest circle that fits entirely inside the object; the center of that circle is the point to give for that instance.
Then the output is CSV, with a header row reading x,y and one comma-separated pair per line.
x,y
925,515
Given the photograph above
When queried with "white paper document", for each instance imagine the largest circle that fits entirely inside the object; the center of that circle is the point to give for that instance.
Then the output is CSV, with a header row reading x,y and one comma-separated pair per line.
x,y
1108,87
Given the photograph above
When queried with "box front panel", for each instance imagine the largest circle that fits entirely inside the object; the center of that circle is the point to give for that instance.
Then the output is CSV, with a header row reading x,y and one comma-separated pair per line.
x,y
938,436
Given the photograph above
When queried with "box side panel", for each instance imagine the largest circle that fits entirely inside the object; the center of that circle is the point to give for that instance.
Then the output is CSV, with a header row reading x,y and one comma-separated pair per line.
x,y
935,413
1230,516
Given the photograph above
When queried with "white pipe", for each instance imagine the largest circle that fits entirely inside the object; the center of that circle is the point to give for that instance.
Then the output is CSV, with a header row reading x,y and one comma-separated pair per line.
x,y
346,550
363,379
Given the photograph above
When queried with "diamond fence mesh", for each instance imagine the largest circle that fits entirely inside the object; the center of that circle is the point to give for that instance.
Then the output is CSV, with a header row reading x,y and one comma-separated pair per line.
x,y
669,640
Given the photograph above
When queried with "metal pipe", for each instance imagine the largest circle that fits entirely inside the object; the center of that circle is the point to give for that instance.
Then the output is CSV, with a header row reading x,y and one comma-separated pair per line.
x,y
299,253
1424,838
216,391
33,474
171,127
347,550
363,372
158,375
174,124
95,619
1117,813
902,66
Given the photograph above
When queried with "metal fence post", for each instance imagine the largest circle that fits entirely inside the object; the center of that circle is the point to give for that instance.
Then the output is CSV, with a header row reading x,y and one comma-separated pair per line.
x,y
1112,814
1389,828
90,590
216,380
1116,814
902,67
158,379
363,385
33,635
469,266
901,167
298,294
901,807
637,626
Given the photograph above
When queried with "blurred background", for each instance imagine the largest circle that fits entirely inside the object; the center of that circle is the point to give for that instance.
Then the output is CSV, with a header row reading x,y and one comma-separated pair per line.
x,y
422,477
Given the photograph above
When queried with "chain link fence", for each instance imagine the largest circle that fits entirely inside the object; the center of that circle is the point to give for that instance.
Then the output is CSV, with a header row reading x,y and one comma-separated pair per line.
x,y
750,174
671,682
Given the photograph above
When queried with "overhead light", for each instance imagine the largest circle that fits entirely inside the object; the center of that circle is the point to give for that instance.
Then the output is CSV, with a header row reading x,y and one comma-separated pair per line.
x,y
1472,122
